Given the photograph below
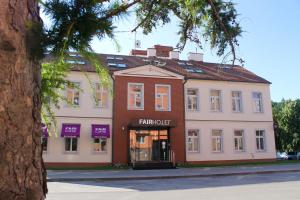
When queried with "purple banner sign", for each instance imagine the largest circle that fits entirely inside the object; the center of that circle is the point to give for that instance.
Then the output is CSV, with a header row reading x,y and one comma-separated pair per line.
x,y
100,130
44,130
70,130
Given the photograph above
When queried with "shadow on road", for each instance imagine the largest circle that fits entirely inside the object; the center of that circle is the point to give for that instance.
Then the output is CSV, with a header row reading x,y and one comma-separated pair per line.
x,y
194,183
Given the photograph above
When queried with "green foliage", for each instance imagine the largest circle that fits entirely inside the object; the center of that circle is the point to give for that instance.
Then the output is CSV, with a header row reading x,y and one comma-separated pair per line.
x,y
287,118
76,22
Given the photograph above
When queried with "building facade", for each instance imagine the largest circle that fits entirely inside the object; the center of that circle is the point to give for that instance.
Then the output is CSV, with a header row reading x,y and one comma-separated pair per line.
x,y
163,110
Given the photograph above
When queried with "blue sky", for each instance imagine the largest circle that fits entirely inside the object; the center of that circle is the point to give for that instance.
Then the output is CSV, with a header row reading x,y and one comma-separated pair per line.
x,y
270,44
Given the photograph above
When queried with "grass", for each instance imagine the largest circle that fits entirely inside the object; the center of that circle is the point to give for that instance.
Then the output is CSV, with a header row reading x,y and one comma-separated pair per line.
x,y
277,162
110,167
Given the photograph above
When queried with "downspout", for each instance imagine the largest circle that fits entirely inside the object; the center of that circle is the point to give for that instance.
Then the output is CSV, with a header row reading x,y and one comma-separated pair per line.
x,y
184,109
112,121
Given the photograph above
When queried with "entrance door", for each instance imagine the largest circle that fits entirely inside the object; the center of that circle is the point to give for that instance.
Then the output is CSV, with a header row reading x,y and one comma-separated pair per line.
x,y
149,145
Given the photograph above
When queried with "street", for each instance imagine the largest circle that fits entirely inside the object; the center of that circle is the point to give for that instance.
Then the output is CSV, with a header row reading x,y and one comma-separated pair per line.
x,y
275,186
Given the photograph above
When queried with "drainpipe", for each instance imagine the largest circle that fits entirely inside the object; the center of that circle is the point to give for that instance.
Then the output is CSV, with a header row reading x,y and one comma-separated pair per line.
x,y
112,121
185,80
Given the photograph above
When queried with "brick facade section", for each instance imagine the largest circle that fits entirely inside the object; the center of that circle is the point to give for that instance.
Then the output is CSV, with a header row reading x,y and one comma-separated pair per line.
x,y
123,117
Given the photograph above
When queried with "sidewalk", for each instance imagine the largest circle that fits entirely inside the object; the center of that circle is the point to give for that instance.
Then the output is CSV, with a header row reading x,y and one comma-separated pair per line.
x,y
115,175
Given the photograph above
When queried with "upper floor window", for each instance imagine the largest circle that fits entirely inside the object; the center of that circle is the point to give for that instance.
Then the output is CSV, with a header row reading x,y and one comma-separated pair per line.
x,y
236,101
193,140
100,96
257,102
163,97
239,140
73,94
217,141
192,99
215,100
260,140
135,96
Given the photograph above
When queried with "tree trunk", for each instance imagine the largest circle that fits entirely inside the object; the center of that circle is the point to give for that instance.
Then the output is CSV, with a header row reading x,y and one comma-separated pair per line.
x,y
22,173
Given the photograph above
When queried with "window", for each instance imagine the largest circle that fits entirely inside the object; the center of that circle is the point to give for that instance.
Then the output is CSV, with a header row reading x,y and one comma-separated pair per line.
x,y
44,144
193,140
217,140
239,140
236,101
162,98
100,96
73,94
140,139
192,99
71,144
100,144
215,100
257,102
260,140
135,96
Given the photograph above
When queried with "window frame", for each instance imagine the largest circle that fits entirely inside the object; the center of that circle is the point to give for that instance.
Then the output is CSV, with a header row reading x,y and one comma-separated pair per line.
x,y
235,99
101,92
264,140
220,100
73,90
193,138
142,97
100,139
47,145
254,103
197,99
169,96
71,145
221,141
238,137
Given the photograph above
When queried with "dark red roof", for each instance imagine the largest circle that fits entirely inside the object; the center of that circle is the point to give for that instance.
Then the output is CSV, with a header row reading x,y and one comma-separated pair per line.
x,y
205,70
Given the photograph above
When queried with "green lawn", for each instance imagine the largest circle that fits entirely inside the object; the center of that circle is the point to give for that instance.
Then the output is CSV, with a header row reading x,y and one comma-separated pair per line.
x,y
277,162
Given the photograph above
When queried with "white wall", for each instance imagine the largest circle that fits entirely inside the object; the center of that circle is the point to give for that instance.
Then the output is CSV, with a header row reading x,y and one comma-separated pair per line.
x,y
86,115
228,121
56,145
86,102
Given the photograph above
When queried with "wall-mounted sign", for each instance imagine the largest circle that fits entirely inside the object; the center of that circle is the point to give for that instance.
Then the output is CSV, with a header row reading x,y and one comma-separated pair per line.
x,y
152,123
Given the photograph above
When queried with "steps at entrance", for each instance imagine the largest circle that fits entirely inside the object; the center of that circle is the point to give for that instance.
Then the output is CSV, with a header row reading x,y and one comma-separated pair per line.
x,y
153,165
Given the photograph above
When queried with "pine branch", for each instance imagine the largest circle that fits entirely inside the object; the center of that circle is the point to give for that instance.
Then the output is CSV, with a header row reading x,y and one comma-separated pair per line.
x,y
211,3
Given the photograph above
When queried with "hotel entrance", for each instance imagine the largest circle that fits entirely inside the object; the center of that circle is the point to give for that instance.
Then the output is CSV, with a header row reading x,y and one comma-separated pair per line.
x,y
149,146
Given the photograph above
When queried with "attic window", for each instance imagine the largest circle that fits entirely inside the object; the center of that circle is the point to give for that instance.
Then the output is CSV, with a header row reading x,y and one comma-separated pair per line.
x,y
73,54
120,65
76,62
194,70
114,58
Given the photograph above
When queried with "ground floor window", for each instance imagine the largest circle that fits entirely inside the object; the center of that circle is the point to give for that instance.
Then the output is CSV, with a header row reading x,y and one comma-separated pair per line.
x,y
260,140
100,144
71,144
239,140
217,141
44,144
193,140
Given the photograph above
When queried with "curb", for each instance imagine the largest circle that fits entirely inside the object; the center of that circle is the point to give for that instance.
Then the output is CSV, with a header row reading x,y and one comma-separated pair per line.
x,y
167,177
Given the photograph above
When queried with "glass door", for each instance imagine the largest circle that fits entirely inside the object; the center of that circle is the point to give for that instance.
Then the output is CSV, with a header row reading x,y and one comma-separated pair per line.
x,y
149,145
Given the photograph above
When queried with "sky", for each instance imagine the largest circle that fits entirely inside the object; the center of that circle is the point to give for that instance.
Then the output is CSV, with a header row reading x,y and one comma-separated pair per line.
x,y
270,43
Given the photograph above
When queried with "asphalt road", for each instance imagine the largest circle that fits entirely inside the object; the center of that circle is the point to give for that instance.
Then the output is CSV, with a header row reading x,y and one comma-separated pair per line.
x,y
277,186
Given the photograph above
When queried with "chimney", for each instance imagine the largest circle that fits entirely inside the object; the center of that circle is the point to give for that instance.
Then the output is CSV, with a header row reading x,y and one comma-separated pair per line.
x,y
174,55
162,51
195,56
136,52
151,52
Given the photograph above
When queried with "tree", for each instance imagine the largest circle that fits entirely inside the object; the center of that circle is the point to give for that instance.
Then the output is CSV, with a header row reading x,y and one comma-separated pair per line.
x,y
23,40
286,115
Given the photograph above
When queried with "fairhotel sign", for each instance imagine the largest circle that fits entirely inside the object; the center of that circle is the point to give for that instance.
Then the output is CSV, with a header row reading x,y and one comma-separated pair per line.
x,y
144,122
